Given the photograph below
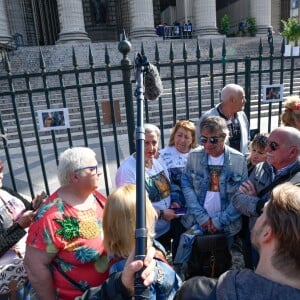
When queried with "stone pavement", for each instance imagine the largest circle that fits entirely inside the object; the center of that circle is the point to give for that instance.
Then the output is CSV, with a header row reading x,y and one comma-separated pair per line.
x,y
50,161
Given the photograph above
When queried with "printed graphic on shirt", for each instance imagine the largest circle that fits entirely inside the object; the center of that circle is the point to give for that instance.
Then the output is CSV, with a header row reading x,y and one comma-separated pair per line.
x,y
157,186
214,172
175,175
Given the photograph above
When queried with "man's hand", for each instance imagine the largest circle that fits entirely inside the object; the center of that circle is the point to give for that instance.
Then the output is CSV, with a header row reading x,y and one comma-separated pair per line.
x,y
248,188
131,267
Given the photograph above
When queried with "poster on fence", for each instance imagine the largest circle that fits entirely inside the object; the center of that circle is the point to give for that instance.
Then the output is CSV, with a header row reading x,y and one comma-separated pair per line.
x,y
53,119
273,93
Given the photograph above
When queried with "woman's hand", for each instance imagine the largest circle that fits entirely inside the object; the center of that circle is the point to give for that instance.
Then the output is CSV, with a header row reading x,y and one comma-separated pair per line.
x,y
169,214
26,218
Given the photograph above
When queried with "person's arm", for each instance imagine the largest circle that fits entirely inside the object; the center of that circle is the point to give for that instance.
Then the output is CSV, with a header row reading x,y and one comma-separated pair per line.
x,y
192,202
36,263
14,233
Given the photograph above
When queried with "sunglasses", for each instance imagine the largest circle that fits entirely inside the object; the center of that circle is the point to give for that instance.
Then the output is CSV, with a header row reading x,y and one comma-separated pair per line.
x,y
212,140
93,169
273,145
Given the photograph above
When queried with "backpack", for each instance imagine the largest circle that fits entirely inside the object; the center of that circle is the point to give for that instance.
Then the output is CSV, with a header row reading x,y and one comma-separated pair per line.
x,y
210,256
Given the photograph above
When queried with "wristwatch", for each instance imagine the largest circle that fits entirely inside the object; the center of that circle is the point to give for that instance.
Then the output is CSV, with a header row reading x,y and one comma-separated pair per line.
x,y
161,214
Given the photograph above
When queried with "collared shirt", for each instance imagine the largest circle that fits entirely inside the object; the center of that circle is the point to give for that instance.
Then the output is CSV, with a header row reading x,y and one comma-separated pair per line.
x,y
282,171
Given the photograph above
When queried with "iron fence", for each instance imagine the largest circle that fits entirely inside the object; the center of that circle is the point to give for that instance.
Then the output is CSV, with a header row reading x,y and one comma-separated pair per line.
x,y
101,108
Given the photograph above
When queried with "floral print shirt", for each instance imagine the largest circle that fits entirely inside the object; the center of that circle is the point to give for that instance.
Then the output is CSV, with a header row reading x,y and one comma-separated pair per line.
x,y
76,237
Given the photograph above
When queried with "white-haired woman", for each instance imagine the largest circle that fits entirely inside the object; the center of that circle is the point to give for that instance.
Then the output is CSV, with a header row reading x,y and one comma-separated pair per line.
x,y
157,184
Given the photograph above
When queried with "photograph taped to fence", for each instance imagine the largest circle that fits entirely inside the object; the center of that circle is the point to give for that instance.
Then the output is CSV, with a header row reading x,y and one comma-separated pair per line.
x,y
53,119
273,93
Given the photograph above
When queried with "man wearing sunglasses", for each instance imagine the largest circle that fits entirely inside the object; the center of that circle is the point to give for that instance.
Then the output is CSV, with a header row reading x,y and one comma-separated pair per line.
x,y
282,165
212,175
231,109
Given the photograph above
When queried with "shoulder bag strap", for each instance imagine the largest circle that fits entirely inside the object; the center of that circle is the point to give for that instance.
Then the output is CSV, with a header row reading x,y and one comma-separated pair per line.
x,y
75,283
277,181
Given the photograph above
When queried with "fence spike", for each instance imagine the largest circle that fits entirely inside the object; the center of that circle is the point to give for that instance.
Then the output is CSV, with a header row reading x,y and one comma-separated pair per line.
x,y
7,63
184,51
171,56
91,57
107,57
156,53
224,49
260,47
198,53
74,59
42,61
211,50
282,47
142,49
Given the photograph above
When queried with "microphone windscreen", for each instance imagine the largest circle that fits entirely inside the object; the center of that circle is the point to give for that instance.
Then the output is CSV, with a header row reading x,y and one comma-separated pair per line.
x,y
152,83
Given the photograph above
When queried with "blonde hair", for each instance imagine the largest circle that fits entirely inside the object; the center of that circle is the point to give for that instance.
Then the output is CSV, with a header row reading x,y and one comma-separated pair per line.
x,y
291,114
119,221
187,125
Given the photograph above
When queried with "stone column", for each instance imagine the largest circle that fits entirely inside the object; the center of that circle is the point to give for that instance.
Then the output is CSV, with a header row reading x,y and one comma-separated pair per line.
x,y
141,19
261,11
205,17
5,35
71,21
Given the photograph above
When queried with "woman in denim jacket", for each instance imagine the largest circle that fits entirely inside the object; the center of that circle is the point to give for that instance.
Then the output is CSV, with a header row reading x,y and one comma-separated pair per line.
x,y
212,175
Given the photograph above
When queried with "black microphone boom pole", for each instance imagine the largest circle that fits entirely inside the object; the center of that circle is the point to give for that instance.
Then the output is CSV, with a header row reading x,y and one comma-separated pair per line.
x,y
140,291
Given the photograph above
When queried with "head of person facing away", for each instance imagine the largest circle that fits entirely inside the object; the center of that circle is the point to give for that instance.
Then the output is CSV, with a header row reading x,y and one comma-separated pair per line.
x,y
183,136
232,99
76,164
119,221
291,113
276,233
283,146
213,135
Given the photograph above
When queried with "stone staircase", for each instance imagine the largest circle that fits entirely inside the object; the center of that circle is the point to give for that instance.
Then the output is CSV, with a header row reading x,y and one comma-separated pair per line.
x,y
60,57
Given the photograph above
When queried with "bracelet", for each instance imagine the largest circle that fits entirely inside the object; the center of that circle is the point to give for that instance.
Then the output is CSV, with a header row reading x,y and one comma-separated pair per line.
x,y
161,214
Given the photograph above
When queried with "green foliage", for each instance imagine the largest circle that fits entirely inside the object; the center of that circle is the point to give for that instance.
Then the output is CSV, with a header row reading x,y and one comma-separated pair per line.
x,y
225,22
291,30
251,26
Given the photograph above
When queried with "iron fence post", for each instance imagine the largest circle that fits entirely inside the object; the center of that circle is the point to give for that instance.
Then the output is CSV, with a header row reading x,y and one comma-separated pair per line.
x,y
126,66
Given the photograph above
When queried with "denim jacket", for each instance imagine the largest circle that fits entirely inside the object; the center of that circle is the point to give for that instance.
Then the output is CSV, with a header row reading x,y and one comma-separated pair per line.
x,y
166,281
261,177
195,183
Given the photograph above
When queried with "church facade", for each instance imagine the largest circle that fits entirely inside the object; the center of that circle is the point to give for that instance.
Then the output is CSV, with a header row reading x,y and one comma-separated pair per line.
x,y
49,22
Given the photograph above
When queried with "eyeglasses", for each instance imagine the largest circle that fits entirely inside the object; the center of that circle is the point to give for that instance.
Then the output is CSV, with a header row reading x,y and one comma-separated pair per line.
x,y
273,145
93,169
212,140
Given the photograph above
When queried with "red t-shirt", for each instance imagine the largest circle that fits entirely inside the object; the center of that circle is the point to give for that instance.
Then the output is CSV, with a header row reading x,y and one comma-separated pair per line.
x,y
76,237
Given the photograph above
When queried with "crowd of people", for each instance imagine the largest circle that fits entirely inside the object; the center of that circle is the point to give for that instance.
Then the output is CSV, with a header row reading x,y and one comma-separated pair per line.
x,y
80,244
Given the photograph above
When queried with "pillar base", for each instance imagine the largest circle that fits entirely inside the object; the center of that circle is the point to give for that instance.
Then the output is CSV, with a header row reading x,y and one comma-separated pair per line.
x,y
142,33
204,31
73,37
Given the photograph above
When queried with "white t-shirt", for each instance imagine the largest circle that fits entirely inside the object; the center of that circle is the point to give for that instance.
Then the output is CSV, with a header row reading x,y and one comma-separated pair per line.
x,y
157,185
212,202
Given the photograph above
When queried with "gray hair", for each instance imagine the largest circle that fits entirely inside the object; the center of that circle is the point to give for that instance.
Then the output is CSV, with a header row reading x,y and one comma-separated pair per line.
x,y
149,128
214,124
71,160
292,136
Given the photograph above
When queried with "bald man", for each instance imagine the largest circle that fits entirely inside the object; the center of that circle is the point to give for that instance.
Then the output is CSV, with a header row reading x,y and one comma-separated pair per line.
x,y
231,109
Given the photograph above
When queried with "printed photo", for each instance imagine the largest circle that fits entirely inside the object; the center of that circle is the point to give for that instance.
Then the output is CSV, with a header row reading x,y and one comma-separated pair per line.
x,y
53,119
273,93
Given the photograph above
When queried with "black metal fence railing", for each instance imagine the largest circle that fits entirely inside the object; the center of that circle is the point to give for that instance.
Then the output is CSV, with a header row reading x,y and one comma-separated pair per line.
x,y
99,106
